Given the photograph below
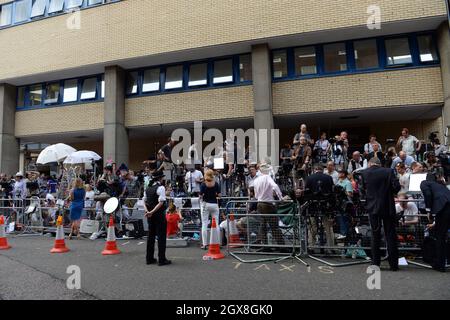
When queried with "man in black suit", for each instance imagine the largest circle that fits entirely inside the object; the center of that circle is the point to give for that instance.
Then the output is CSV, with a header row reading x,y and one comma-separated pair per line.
x,y
379,186
437,202
319,182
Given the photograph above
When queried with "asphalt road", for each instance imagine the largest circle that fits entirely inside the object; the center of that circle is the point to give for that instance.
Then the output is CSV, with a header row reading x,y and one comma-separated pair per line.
x,y
29,271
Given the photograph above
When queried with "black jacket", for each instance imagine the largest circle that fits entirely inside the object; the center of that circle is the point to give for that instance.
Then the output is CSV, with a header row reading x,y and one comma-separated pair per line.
x,y
436,195
319,180
379,186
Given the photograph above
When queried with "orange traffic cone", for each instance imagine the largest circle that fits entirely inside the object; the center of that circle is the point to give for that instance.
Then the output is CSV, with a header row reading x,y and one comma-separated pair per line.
x,y
3,240
214,244
60,244
234,239
111,245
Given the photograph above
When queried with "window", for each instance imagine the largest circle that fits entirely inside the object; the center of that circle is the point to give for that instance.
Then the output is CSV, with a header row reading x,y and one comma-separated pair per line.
x,y
52,93
70,90
427,48
89,89
5,15
174,78
305,61
151,80
102,88
94,2
38,8
73,4
198,75
56,6
21,97
366,54
36,95
280,64
398,52
22,10
335,57
245,68
132,83
223,71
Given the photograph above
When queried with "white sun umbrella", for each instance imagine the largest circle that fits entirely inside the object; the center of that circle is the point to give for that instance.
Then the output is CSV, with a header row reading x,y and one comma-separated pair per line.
x,y
54,153
83,156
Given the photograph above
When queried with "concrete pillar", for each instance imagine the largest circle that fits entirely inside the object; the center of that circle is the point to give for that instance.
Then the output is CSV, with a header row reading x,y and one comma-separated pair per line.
x,y
115,135
262,94
9,145
443,40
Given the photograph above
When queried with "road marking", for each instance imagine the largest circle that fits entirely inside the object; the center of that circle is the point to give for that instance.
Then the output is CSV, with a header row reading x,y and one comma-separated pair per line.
x,y
139,243
238,264
261,266
125,243
286,268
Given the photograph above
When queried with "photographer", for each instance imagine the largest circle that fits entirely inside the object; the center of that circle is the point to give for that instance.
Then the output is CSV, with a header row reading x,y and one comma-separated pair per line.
x,y
356,163
369,147
317,186
321,149
285,159
338,151
342,218
302,158
437,201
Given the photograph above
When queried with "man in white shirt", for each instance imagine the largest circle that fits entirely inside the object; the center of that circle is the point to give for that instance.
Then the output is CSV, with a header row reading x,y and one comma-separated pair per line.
x,y
265,188
408,143
331,171
356,163
409,211
194,179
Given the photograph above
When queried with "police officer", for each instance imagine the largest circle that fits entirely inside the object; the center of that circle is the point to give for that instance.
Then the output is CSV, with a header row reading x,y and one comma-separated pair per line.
x,y
155,212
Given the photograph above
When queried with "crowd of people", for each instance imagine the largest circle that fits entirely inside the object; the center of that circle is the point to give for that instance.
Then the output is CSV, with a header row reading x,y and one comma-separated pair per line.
x,y
300,163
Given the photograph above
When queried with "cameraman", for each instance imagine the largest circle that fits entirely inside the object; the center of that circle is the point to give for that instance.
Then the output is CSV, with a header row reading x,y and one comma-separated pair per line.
x,y
437,200
302,158
338,151
320,185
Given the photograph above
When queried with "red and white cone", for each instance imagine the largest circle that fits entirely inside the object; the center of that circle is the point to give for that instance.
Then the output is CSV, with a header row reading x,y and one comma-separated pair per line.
x,y
3,240
60,244
214,244
111,243
234,239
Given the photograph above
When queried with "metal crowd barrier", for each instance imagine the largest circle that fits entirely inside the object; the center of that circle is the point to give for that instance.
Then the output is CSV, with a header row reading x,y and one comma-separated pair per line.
x,y
321,231
260,231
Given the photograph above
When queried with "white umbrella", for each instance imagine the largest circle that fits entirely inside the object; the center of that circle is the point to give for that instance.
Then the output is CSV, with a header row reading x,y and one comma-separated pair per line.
x,y
83,156
54,153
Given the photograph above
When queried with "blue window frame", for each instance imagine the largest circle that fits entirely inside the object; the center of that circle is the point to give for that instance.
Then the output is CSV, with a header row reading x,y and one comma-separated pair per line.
x,y
61,92
355,56
193,75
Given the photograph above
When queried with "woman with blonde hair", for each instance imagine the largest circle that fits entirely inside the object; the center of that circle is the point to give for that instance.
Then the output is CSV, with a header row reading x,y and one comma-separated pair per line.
x,y
209,193
77,195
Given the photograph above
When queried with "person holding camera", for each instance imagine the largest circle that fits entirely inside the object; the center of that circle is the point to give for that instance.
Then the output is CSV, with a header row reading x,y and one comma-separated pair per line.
x,y
302,158
379,186
321,149
408,143
437,202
